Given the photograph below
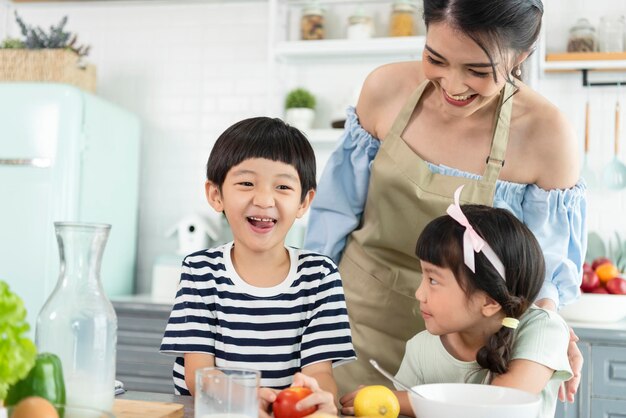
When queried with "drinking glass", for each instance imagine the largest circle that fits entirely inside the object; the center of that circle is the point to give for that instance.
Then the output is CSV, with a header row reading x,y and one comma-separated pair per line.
x,y
226,393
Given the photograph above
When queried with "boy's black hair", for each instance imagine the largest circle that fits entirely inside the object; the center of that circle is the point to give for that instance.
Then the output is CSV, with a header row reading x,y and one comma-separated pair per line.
x,y
262,137
441,244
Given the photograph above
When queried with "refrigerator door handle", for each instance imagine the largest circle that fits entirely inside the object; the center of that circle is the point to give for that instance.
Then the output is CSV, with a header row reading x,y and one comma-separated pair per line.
x,y
29,162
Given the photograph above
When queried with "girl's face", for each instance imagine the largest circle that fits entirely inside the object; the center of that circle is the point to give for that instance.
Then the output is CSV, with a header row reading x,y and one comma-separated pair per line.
x,y
460,70
261,200
445,307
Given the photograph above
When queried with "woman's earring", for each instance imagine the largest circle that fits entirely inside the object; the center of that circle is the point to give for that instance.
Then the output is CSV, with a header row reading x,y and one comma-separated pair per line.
x,y
517,71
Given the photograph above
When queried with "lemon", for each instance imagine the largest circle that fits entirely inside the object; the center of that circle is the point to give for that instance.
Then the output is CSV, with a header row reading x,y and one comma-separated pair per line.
x,y
376,401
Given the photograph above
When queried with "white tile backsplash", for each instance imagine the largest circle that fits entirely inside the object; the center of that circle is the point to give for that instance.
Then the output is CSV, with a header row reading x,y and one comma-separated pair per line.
x,y
190,69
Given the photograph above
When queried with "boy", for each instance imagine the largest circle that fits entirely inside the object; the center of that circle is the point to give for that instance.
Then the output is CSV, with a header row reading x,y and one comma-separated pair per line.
x,y
254,303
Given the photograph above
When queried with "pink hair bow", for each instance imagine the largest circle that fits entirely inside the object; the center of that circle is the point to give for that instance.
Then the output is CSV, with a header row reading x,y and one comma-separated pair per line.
x,y
472,242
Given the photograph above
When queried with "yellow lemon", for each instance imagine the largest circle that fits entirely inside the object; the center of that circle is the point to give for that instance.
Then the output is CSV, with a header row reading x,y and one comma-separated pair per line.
x,y
376,401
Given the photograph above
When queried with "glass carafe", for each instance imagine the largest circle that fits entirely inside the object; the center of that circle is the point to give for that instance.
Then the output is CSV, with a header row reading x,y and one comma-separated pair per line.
x,y
78,322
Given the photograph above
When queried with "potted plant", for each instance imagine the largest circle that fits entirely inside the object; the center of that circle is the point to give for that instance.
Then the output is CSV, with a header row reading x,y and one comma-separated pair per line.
x,y
17,351
299,108
42,55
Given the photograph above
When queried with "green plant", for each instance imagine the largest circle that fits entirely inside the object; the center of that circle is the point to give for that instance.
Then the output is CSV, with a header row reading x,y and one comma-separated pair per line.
x,y
57,38
12,43
17,352
299,98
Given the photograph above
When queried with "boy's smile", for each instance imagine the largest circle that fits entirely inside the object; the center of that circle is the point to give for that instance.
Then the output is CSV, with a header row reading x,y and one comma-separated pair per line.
x,y
261,200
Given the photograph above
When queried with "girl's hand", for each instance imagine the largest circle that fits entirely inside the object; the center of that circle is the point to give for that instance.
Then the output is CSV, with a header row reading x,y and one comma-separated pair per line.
x,y
266,397
325,401
347,402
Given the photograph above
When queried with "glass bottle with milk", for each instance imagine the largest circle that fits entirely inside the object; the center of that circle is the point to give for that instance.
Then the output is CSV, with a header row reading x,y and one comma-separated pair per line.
x,y
78,322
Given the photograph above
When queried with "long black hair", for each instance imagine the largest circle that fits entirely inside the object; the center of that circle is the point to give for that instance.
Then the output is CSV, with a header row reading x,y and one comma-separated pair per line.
x,y
496,26
441,244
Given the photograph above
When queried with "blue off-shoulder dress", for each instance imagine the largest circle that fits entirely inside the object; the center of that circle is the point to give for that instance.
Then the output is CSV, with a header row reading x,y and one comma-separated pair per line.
x,y
556,217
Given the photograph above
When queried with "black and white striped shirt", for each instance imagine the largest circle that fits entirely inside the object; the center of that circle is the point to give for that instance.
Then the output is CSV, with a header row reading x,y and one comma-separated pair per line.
x,y
278,330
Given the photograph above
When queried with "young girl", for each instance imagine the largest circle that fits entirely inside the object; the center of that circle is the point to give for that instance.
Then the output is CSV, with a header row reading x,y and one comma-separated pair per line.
x,y
482,268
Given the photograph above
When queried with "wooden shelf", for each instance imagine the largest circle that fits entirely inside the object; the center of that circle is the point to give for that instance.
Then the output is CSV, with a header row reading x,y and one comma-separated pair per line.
x,y
346,48
575,61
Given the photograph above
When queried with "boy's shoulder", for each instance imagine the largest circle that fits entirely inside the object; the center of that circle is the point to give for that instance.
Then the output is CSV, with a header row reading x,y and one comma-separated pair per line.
x,y
311,257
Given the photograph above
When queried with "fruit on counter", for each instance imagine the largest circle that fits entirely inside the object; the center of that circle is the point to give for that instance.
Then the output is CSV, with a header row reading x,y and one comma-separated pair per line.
x,y
285,404
606,272
45,380
34,407
376,401
590,281
616,286
599,261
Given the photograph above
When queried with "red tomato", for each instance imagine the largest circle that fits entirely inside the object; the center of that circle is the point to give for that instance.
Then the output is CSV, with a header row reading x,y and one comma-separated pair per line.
x,y
285,404
617,286
590,281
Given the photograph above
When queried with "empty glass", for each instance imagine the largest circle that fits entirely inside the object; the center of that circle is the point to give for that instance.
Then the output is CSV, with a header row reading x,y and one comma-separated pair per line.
x,y
226,393
611,33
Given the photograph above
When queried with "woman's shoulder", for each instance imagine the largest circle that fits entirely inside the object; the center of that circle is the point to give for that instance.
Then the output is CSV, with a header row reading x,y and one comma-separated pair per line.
x,y
549,138
384,92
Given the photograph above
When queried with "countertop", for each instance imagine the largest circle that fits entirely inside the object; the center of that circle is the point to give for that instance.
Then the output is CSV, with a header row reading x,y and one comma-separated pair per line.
x,y
187,401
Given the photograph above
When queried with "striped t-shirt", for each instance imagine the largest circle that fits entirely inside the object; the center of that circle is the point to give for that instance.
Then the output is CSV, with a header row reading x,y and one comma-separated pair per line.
x,y
276,330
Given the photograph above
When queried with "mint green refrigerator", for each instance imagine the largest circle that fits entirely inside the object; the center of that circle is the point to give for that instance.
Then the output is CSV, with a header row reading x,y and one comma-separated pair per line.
x,y
65,155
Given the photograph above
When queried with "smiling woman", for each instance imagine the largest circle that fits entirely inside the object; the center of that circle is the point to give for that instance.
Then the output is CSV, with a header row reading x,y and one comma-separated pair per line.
x,y
419,131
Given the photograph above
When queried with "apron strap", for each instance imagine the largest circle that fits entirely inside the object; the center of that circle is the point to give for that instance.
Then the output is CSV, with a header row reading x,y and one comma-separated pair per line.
x,y
495,160
407,110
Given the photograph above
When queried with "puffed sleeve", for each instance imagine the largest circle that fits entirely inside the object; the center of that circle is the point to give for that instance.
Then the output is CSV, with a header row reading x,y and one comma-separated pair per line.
x,y
338,205
558,220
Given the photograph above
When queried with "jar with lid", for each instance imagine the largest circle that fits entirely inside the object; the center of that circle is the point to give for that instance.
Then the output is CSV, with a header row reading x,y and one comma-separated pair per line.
x,y
402,21
360,26
611,34
582,37
312,22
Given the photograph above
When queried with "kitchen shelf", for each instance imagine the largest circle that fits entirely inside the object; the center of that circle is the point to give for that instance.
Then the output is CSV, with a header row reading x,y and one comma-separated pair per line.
x,y
598,61
347,48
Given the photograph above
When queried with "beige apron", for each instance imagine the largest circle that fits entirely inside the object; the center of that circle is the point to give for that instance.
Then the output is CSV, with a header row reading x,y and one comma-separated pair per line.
x,y
379,269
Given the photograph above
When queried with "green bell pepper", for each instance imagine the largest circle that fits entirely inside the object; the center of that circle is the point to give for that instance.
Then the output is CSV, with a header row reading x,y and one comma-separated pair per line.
x,y
45,380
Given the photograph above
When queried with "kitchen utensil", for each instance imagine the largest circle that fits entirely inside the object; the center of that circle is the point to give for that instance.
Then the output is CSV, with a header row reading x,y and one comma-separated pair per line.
x,y
126,408
453,400
586,172
392,377
615,172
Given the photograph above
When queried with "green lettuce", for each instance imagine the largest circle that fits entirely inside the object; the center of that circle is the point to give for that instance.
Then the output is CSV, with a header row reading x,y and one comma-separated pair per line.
x,y
17,351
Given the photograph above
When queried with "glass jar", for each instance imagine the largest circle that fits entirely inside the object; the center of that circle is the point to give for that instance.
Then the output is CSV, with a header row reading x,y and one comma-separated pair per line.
x,y
312,22
582,37
611,34
360,26
77,322
402,21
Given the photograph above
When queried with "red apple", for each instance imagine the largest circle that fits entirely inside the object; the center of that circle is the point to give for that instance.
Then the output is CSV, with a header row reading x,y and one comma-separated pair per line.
x,y
601,290
599,261
590,281
285,404
587,267
616,286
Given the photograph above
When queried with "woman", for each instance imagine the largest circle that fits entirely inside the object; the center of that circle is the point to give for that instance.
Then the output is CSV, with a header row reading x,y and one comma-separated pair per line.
x,y
422,129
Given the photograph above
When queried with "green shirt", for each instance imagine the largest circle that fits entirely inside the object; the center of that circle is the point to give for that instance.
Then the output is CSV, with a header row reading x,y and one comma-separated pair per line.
x,y
542,336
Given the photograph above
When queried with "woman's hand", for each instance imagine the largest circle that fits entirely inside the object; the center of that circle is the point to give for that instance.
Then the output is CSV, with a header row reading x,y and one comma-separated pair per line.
x,y
347,402
325,401
568,390
267,396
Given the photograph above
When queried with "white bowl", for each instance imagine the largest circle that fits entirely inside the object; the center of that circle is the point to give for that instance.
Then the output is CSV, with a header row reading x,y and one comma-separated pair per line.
x,y
594,307
466,400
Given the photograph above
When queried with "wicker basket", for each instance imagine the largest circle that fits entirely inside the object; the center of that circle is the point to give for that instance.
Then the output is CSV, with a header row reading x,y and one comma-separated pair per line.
x,y
51,65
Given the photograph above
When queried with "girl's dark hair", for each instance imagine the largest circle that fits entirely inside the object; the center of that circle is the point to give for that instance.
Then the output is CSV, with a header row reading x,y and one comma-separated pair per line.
x,y
441,244
262,137
495,25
